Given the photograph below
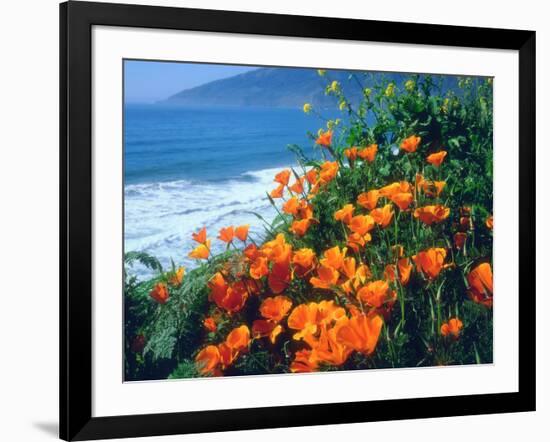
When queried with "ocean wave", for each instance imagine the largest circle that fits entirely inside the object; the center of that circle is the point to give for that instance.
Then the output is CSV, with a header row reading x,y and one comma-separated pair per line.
x,y
160,217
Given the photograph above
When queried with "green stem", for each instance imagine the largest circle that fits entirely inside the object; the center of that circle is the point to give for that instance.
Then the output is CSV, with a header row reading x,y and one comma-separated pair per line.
x,y
277,210
258,362
396,221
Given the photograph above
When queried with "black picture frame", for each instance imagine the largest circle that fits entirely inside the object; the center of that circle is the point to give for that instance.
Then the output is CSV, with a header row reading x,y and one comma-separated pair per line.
x,y
76,21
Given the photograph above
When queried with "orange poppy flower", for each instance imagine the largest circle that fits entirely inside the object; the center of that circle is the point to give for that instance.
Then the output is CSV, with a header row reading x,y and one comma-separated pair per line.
x,y
291,206
259,269
282,177
304,362
353,310
312,176
176,278
405,268
160,293
210,324
361,224
275,332
251,252
304,261
436,158
376,293
419,180
329,170
439,186
304,319
349,267
207,360
300,227
356,242
278,191
432,214
202,251
466,223
334,257
307,317
391,189
410,144
304,257
487,301
390,272
200,237
368,153
281,253
327,349
362,274
430,262
217,285
344,214
402,200
452,328
235,297
227,354
459,239
324,139
327,277
275,308
298,186
465,219
238,338
279,277
230,298
262,328
465,211
361,333
268,248
489,222
241,232
433,188
368,200
328,311
480,280
227,234
382,216
351,153
305,210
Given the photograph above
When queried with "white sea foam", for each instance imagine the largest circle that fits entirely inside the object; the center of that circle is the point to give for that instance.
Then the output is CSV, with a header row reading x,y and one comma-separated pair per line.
x,y
160,217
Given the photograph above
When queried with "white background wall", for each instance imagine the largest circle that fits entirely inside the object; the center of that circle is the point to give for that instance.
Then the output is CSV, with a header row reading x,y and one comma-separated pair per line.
x,y
29,217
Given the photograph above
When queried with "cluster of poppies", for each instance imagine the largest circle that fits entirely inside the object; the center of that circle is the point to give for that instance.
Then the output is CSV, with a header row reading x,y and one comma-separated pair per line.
x,y
351,298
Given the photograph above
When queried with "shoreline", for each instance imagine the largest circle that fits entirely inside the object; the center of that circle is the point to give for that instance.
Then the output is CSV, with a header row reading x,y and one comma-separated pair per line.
x,y
160,217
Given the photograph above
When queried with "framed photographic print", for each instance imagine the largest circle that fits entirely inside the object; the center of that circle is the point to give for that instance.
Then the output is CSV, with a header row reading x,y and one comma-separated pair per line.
x,y
272,220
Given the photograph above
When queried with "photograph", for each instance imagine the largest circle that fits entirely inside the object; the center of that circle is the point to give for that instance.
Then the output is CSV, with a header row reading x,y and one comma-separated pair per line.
x,y
272,221
286,220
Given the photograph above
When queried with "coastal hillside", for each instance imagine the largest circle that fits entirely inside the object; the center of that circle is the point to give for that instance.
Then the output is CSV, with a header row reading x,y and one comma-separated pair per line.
x,y
274,87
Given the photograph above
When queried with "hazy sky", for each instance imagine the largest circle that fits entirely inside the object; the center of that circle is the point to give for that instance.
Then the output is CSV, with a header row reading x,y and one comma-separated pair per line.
x,y
149,81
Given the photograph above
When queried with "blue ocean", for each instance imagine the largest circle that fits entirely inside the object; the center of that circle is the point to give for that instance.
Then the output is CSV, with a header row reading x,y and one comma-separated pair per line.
x,y
187,168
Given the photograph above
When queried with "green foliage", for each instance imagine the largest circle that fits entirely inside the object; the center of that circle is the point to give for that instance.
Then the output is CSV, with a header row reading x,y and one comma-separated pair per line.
x,y
143,258
185,369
